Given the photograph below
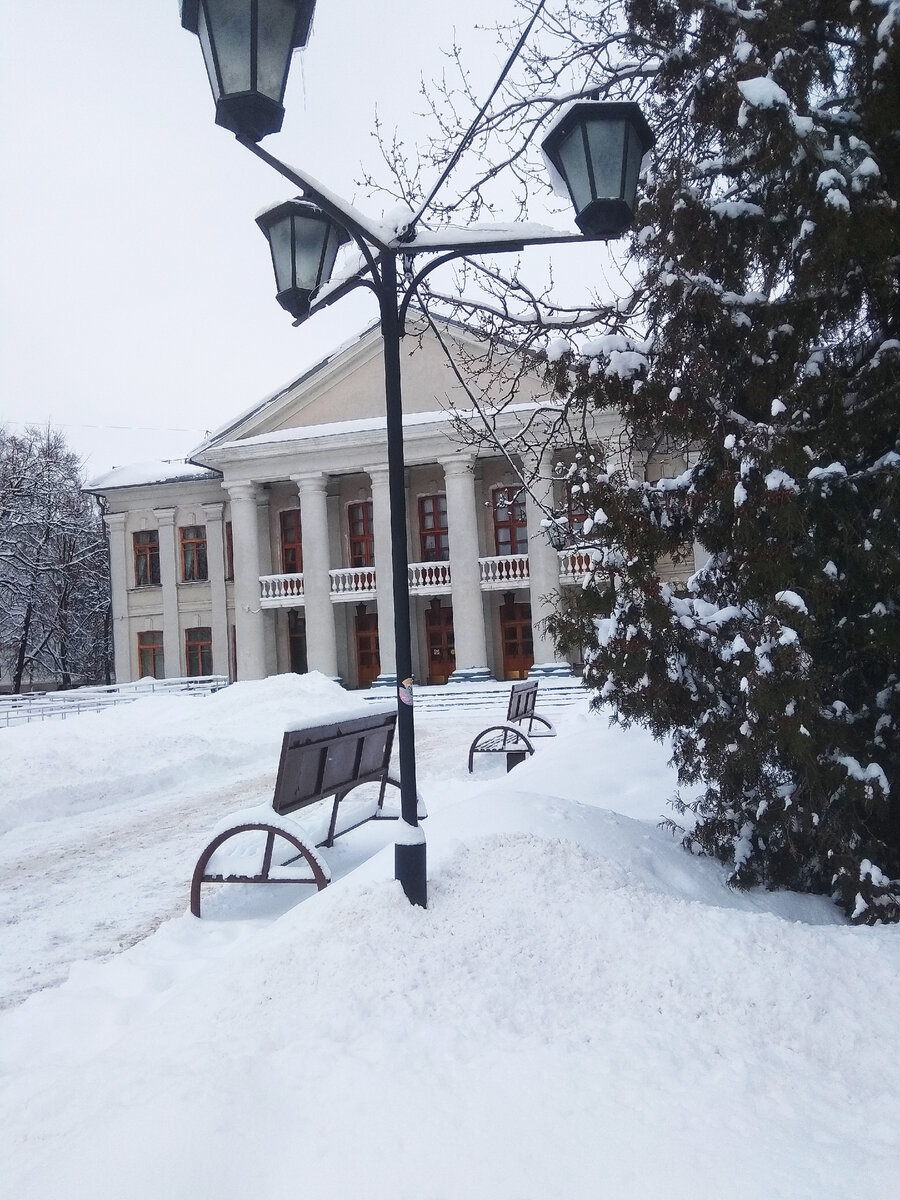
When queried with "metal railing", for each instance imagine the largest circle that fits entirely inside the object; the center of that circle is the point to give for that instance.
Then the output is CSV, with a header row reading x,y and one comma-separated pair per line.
x,y
57,706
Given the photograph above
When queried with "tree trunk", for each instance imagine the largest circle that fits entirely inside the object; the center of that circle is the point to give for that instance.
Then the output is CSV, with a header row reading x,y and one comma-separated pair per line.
x,y
23,647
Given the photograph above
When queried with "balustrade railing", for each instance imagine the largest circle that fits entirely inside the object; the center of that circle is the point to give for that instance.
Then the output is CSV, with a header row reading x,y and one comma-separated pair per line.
x,y
280,590
358,583
509,570
574,565
429,577
353,583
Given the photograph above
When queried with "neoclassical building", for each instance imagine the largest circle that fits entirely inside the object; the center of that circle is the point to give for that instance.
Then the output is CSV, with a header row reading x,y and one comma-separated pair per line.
x,y
270,549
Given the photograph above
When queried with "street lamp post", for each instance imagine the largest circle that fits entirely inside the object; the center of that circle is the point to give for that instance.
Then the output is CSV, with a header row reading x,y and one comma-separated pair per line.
x,y
594,148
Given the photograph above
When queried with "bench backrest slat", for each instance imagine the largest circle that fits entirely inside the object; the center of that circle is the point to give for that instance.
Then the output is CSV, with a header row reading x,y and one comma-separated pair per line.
x,y
522,699
321,762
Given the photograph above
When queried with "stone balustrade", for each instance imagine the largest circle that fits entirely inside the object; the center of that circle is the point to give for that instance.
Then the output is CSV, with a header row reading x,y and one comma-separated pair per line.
x,y
504,572
429,579
358,584
574,565
281,591
352,584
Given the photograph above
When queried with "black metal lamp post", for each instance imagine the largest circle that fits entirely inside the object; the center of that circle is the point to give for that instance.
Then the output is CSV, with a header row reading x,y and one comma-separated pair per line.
x,y
305,235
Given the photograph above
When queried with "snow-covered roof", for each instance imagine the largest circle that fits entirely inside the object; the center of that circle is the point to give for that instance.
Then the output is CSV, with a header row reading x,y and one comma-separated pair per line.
x,y
368,425
161,471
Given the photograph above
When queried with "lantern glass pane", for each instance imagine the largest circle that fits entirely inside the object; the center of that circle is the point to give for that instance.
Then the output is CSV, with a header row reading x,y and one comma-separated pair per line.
x,y
279,233
574,165
229,22
606,140
336,238
633,159
309,241
209,61
275,43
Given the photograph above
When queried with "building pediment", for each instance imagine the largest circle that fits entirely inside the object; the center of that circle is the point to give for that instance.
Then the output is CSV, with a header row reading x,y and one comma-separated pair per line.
x,y
348,387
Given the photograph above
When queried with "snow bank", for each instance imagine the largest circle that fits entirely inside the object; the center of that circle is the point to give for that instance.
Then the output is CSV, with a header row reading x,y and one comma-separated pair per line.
x,y
583,1010
157,744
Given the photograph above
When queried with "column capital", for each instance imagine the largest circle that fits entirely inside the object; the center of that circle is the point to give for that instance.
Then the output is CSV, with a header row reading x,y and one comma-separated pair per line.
x,y
164,516
114,522
311,481
379,474
213,512
242,489
458,464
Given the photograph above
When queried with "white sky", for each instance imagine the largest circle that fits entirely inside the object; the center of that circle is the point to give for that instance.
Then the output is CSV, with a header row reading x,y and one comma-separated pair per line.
x,y
137,307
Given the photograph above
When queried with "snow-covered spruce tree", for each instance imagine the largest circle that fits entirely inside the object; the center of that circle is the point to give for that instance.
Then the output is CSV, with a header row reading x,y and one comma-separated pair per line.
x,y
768,243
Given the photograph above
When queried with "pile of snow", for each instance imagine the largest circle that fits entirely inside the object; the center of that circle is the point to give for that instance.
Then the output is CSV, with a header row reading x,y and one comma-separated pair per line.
x,y
155,745
583,1010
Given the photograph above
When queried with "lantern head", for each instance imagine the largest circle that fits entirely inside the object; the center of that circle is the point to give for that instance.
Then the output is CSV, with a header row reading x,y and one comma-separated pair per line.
x,y
247,47
596,148
304,242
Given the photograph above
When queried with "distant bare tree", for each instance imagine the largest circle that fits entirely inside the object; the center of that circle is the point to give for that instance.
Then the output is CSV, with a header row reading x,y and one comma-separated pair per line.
x,y
54,576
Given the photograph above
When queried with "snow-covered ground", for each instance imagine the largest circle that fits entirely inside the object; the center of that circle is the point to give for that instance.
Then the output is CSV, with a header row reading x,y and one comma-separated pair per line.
x,y
583,1010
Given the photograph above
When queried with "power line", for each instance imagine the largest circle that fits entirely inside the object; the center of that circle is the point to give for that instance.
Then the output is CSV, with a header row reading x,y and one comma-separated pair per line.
x,y
125,428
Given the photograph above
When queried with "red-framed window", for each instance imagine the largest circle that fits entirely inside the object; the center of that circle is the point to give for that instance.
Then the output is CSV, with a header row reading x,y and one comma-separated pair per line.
x,y
198,651
193,553
146,558
151,663
433,535
229,551
291,542
361,528
510,528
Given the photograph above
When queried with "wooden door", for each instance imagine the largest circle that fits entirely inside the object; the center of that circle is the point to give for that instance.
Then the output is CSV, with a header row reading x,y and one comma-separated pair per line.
x,y
368,662
297,639
517,638
439,642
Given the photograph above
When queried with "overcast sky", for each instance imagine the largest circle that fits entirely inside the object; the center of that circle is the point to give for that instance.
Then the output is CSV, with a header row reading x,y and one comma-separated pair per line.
x,y
138,306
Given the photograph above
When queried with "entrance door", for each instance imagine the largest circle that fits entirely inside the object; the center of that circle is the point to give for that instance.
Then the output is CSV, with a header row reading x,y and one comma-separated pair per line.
x,y
439,640
517,638
368,662
297,638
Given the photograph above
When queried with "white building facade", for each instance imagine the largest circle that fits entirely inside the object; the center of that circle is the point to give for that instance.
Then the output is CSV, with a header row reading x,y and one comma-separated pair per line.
x,y
270,551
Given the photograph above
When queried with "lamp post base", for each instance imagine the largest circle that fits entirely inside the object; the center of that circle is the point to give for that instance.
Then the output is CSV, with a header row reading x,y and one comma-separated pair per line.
x,y
409,871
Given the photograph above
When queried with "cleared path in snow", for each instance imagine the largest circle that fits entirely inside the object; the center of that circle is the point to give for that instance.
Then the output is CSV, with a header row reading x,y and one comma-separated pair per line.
x,y
88,885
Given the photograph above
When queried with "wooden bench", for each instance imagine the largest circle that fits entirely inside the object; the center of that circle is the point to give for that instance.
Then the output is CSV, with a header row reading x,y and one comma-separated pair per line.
x,y
327,760
511,738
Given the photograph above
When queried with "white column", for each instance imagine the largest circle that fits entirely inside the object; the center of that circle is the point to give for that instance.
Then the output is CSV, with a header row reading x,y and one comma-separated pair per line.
x,y
248,616
321,645
465,573
168,577
118,582
384,588
215,556
543,568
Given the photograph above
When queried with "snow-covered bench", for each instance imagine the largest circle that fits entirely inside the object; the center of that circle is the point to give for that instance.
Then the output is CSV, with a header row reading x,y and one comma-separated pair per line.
x,y
511,738
267,845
